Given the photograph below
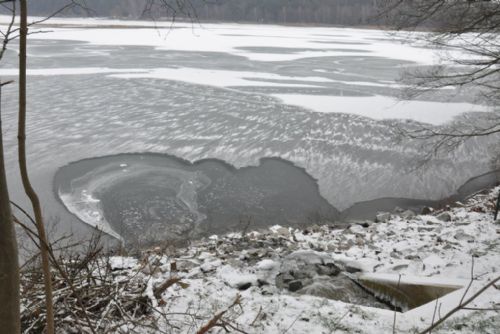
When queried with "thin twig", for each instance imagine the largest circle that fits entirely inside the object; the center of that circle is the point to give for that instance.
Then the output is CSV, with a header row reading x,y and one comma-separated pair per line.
x,y
461,306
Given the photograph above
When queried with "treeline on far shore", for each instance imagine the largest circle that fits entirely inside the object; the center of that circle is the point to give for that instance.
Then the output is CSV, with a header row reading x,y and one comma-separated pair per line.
x,y
328,12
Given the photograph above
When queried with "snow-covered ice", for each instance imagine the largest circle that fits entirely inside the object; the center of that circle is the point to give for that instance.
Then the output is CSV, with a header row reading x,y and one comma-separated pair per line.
x,y
382,107
321,97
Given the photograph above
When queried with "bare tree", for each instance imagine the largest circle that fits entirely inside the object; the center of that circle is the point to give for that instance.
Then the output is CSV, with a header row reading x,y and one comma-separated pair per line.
x,y
466,31
9,266
23,168
9,273
171,9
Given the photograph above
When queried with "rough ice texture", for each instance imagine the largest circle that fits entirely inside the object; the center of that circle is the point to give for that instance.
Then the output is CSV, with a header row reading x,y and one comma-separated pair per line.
x,y
210,92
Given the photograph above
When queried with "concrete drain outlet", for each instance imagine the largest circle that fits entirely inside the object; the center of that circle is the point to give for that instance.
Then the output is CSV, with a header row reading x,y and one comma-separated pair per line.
x,y
407,293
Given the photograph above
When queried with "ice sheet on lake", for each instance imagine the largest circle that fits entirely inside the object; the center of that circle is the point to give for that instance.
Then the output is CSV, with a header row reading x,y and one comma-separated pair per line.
x,y
381,107
68,71
232,38
221,78
211,92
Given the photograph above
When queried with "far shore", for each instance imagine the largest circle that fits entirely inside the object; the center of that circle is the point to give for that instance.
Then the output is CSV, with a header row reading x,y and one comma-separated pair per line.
x,y
170,23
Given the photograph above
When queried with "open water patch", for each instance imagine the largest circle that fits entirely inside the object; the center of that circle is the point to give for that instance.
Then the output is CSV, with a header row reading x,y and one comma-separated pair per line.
x,y
149,198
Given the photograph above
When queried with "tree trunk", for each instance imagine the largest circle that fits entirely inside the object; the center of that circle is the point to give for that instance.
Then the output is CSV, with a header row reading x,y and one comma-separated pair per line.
x,y
9,266
30,192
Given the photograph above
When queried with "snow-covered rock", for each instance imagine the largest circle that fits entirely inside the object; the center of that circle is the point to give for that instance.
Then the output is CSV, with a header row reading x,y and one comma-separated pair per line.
x,y
444,216
299,284
383,217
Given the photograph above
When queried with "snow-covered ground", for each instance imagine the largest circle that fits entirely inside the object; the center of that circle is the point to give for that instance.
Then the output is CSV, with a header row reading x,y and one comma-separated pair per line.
x,y
442,247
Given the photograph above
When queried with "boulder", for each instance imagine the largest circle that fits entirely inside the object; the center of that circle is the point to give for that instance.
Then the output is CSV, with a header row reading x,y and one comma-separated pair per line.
x,y
398,210
267,290
408,214
244,286
357,229
444,216
294,286
327,269
352,268
304,266
382,217
426,210
283,232
462,236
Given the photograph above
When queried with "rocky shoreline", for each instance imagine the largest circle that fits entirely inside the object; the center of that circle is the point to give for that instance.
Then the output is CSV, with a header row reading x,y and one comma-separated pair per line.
x,y
371,276
304,279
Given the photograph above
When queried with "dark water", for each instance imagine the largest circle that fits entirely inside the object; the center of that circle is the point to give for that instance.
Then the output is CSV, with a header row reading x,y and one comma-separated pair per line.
x,y
368,209
148,198
153,197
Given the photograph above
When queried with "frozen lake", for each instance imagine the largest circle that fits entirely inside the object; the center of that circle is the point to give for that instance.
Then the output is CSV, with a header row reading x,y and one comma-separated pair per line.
x,y
323,98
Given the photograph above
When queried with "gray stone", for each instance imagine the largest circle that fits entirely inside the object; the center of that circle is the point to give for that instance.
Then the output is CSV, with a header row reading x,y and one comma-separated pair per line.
x,y
398,210
284,232
477,253
382,217
444,216
425,229
366,223
282,279
261,282
408,214
395,255
357,229
267,290
244,286
295,286
351,269
328,269
462,236
253,252
287,277
427,210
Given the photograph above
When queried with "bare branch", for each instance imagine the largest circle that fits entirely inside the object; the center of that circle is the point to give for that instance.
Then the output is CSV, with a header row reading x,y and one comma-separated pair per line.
x,y
460,306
